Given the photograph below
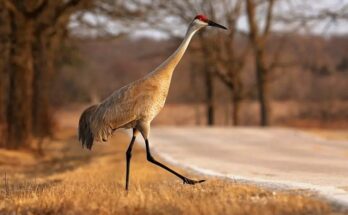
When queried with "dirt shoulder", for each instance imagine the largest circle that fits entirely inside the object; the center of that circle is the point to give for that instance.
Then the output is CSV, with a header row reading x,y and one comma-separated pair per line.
x,y
69,180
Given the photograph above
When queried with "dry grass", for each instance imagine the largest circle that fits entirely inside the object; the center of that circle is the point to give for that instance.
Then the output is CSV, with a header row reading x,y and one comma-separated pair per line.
x,y
69,180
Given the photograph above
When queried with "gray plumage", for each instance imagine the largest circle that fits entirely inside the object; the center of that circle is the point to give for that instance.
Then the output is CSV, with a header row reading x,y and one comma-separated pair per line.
x,y
137,104
86,136
134,105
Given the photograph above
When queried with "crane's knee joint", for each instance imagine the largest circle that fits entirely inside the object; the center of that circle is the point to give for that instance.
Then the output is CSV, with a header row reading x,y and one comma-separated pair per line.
x,y
150,158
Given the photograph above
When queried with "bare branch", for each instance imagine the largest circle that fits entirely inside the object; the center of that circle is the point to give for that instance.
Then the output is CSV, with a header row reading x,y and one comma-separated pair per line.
x,y
269,17
63,8
253,28
37,11
12,7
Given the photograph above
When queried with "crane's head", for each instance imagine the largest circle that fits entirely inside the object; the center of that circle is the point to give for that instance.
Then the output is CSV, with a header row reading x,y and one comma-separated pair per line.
x,y
202,21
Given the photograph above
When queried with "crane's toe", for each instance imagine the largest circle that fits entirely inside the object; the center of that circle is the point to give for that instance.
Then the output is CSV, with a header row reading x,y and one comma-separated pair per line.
x,y
191,182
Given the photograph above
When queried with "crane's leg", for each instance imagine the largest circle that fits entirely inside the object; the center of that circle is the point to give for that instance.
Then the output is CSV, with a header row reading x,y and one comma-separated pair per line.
x,y
152,160
129,156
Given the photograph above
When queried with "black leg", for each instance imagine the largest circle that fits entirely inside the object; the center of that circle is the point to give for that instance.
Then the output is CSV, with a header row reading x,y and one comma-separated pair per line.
x,y
152,160
128,158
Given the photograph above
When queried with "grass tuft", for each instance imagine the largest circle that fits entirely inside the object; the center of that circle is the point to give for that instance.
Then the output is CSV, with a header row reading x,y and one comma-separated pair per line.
x,y
69,180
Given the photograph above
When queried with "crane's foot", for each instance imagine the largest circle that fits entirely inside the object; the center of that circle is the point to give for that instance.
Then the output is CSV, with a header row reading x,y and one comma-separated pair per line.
x,y
192,182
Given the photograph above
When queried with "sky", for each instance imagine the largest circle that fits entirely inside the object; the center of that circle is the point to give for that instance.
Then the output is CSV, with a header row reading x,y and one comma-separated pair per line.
x,y
326,26
310,7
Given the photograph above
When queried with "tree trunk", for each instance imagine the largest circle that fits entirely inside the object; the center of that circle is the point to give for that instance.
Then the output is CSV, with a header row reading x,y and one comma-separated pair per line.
x,y
43,71
237,95
258,38
235,109
209,98
4,50
262,88
19,109
30,66
208,78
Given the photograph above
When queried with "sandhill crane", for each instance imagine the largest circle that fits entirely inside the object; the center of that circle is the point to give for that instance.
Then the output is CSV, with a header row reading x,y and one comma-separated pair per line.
x,y
136,104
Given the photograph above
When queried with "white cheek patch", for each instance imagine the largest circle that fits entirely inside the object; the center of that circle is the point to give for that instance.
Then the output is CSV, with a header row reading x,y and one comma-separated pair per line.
x,y
199,22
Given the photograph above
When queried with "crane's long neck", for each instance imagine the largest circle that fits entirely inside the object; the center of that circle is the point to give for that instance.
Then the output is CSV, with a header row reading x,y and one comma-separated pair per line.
x,y
166,69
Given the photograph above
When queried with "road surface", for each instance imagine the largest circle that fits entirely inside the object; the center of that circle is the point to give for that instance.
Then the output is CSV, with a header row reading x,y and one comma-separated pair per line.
x,y
276,157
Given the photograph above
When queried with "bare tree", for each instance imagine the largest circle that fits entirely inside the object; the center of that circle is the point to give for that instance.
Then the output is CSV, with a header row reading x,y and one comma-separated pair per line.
x,y
184,11
230,56
208,69
36,29
4,50
219,51
258,37
28,60
297,18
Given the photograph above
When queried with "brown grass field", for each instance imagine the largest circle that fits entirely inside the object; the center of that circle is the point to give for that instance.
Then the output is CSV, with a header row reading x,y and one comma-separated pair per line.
x,y
69,180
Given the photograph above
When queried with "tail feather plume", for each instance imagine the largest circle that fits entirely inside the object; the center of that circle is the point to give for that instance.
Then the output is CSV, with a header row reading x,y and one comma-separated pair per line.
x,y
86,136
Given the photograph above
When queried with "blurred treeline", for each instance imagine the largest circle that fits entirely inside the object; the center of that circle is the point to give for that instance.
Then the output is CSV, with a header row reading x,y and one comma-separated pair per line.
x,y
63,53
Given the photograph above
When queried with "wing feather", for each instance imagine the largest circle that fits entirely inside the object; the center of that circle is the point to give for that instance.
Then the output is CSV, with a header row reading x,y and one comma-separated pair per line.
x,y
114,112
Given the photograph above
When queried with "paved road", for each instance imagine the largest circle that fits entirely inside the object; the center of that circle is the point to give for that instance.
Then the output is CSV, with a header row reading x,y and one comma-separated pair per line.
x,y
273,156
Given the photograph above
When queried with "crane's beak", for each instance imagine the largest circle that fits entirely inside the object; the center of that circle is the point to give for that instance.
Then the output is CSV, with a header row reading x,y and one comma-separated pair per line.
x,y
214,24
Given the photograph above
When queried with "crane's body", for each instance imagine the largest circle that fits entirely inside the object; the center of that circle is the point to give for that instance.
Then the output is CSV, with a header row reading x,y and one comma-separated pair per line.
x,y
137,104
